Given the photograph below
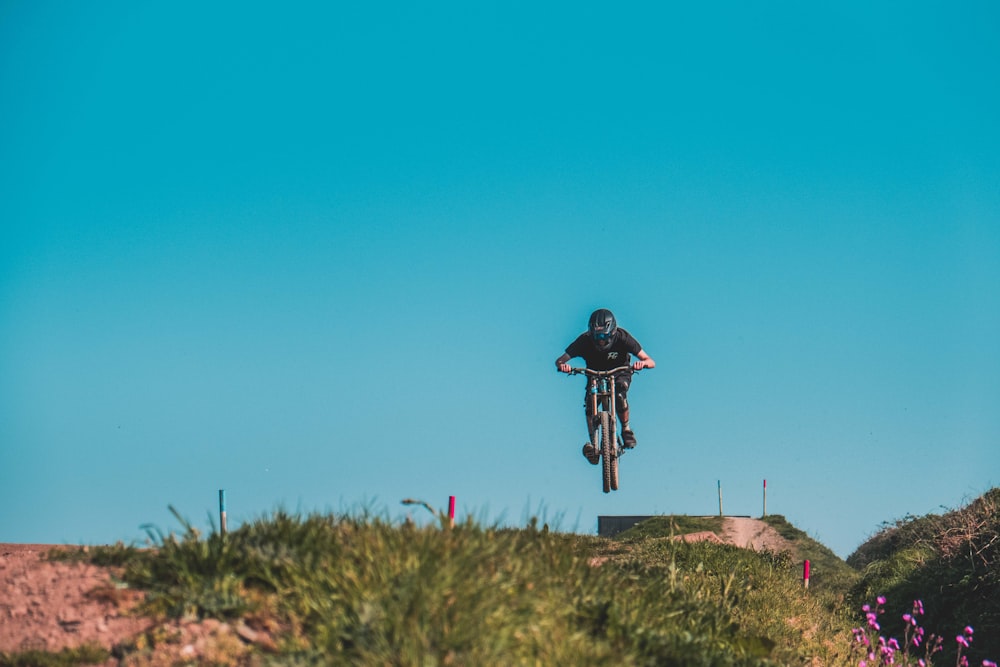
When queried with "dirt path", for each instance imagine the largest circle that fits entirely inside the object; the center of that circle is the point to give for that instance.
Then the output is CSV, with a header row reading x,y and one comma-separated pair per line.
x,y
754,534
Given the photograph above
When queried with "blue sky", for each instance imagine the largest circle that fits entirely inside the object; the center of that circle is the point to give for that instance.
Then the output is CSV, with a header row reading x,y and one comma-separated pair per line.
x,y
323,256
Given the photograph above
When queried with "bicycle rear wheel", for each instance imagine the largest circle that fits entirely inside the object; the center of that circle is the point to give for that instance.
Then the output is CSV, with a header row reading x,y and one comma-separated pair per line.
x,y
610,467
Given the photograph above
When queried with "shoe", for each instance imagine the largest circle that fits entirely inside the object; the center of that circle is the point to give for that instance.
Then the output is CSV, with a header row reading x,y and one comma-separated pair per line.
x,y
628,438
592,454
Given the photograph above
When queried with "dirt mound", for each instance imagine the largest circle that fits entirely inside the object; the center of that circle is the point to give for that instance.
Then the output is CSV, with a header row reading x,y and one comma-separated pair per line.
x,y
745,533
703,536
754,534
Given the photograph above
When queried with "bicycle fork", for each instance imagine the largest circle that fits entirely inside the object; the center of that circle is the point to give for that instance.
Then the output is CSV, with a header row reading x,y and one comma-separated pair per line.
x,y
603,392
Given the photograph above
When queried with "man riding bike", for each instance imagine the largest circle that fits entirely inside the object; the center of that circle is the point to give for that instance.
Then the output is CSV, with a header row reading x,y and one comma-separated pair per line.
x,y
605,346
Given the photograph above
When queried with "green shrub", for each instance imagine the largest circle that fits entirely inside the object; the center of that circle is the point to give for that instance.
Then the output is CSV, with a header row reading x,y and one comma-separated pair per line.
x,y
363,590
949,562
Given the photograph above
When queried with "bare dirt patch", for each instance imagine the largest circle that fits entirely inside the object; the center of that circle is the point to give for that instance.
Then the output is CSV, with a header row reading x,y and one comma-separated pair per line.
x,y
745,533
51,605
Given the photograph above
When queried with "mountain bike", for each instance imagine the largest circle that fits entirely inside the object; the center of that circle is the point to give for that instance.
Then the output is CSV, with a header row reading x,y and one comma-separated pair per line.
x,y
602,420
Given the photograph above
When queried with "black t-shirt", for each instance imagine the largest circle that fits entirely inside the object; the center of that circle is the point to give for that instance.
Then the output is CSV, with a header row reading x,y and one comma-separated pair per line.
x,y
622,345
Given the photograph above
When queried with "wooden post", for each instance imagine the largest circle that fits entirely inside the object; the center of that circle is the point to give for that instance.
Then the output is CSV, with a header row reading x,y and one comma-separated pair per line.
x,y
720,498
222,510
451,511
805,574
765,498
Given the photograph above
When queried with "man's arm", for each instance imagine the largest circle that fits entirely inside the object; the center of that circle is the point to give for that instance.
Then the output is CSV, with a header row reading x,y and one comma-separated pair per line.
x,y
561,363
644,361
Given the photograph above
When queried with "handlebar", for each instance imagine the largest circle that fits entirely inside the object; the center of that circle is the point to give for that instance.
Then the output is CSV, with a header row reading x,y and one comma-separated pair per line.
x,y
598,374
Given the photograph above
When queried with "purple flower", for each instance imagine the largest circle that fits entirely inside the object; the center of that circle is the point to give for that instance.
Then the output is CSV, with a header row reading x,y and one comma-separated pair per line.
x,y
880,599
962,640
989,663
968,630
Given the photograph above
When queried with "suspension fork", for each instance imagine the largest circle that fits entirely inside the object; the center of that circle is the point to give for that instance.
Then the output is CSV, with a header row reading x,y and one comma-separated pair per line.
x,y
592,390
612,400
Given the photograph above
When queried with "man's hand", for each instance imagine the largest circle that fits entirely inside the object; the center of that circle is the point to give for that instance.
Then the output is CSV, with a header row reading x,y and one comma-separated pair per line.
x,y
643,361
562,363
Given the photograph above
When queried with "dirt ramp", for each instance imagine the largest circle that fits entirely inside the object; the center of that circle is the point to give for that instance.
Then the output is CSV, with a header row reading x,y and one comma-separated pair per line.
x,y
754,534
703,536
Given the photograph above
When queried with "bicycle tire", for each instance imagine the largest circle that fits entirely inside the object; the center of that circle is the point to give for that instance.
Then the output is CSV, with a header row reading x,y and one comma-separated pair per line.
x,y
595,432
614,461
607,449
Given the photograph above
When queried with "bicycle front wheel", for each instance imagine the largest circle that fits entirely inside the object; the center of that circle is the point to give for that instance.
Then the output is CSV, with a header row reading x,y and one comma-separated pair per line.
x,y
614,460
610,467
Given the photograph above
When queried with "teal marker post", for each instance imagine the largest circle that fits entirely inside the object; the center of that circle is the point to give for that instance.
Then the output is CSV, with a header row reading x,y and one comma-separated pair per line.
x,y
222,510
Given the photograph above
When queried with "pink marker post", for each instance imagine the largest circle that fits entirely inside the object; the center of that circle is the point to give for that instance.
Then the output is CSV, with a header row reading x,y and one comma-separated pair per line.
x,y
451,511
805,573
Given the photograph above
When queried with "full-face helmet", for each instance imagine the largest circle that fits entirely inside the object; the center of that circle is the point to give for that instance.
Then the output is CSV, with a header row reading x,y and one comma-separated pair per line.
x,y
602,328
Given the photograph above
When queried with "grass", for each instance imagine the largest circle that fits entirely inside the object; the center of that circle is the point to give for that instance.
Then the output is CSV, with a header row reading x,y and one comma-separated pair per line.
x,y
344,590
827,570
662,526
950,562
362,590
84,655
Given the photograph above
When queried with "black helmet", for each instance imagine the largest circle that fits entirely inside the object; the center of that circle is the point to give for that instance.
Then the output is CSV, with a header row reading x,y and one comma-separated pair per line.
x,y
602,328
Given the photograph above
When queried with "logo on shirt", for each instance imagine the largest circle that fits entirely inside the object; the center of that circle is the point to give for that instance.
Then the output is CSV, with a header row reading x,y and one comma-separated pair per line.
x,y
612,355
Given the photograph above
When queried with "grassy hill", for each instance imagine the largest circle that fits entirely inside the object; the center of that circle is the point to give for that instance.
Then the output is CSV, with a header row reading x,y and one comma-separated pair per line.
x,y
950,562
363,590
